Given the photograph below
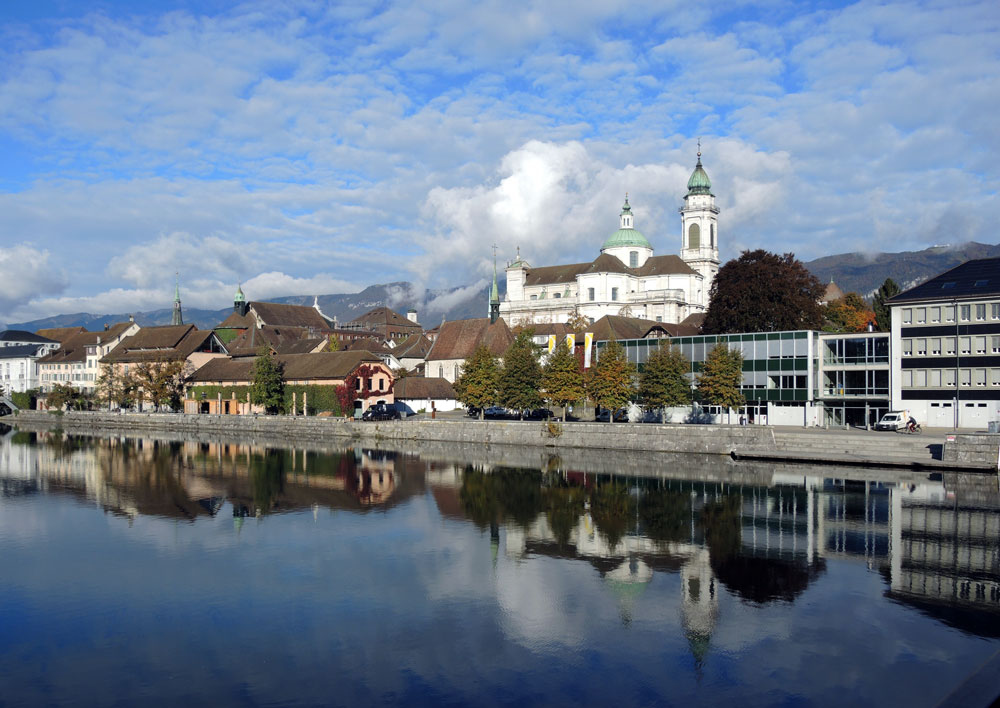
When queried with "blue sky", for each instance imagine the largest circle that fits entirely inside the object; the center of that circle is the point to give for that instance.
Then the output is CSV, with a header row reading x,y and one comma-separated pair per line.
x,y
307,147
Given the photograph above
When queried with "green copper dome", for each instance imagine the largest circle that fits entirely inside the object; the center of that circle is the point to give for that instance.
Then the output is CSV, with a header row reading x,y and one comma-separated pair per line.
x,y
239,296
626,235
699,182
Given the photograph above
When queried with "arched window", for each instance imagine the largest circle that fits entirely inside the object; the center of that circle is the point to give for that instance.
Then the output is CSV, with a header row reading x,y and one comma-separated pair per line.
x,y
440,371
633,259
694,236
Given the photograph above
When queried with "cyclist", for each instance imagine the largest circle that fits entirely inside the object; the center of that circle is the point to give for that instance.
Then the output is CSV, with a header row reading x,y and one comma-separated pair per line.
x,y
911,424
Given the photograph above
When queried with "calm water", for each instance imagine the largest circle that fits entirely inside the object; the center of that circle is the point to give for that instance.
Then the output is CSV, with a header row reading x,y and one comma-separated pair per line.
x,y
135,571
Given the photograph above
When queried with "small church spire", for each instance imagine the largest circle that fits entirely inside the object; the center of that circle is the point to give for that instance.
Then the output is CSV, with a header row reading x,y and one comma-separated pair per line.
x,y
178,316
495,291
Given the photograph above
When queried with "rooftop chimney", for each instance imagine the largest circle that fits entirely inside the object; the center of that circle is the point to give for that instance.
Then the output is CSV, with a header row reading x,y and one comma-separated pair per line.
x,y
411,315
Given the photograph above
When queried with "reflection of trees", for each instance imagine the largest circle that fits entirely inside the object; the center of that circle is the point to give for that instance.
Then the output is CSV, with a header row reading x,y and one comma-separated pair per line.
x,y
267,478
506,494
666,514
563,506
721,522
611,509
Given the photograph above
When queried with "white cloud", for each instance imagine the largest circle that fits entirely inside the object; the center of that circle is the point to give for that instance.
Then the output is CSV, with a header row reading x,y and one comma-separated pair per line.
x,y
25,272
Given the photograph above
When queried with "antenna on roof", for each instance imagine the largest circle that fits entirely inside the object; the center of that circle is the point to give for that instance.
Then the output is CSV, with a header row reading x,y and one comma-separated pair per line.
x,y
699,148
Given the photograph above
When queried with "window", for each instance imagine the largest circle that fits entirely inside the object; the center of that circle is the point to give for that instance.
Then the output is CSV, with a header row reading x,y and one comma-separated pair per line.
x,y
907,347
614,294
965,312
590,294
949,378
980,377
633,259
907,379
921,347
921,313
949,313
995,311
907,315
965,345
441,371
381,384
934,378
935,314
694,236
965,377
949,345
995,342
920,378
980,345
981,312
534,297
995,377
557,295
935,347
711,229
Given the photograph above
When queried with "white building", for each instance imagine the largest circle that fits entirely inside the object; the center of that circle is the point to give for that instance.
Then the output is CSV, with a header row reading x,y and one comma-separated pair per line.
x,y
77,362
626,278
19,355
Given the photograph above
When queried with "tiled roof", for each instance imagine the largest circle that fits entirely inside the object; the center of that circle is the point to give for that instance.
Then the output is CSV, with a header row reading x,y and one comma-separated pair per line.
x,y
973,279
418,387
158,344
60,334
383,316
19,351
606,263
270,313
415,346
369,344
297,367
282,340
73,349
695,319
617,327
237,321
832,292
458,339
20,335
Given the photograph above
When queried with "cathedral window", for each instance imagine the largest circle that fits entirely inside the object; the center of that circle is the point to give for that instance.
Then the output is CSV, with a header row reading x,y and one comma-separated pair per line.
x,y
633,259
694,236
711,229
590,294
614,293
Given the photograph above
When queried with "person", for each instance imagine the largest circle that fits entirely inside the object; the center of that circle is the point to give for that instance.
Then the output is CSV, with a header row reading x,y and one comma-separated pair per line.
x,y
911,424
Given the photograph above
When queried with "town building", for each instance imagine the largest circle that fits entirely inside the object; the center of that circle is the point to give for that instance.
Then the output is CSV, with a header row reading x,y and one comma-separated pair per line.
x,y
458,339
626,278
386,323
416,394
230,379
77,362
945,347
19,355
248,315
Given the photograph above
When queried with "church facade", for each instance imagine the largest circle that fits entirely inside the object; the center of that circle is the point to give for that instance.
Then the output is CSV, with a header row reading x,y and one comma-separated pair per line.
x,y
626,278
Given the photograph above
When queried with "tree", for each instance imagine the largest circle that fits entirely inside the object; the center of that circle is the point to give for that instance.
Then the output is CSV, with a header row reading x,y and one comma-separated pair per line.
x,y
521,375
882,315
610,384
721,376
577,323
117,387
63,396
477,386
332,343
562,379
267,387
664,382
764,292
849,314
160,382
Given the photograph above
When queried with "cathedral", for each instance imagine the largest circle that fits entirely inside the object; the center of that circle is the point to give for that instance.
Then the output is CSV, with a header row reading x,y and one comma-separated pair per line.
x,y
626,279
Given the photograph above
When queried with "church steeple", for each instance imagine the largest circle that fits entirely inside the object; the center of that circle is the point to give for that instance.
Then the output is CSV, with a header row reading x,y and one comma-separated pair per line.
x,y
494,292
178,317
240,305
699,231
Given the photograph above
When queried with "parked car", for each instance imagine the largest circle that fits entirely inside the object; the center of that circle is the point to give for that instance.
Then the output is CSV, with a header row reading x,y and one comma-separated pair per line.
x,y
495,412
538,414
603,414
381,411
893,420
472,412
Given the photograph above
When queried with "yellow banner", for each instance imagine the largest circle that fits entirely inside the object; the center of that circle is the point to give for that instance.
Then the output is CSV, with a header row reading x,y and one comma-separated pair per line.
x,y
571,341
552,342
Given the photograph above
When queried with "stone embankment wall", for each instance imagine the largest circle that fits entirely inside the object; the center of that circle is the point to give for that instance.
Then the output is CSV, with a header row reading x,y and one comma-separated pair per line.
x,y
973,449
696,439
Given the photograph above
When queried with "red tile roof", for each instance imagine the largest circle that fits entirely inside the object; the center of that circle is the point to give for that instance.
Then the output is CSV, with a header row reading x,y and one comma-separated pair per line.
x,y
298,367
458,339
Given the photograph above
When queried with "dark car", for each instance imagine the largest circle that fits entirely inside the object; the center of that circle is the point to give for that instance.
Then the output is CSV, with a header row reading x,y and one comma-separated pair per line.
x,y
381,411
603,414
538,414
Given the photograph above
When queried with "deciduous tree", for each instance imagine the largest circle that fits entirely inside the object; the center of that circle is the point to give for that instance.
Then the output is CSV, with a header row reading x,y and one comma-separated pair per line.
x,y
664,382
610,383
477,385
882,316
267,387
521,375
562,378
721,376
117,387
849,314
764,292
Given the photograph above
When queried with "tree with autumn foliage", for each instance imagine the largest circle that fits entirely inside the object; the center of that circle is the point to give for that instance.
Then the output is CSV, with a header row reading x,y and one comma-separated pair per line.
x,y
477,386
721,378
610,382
849,314
562,377
664,382
764,292
577,323
521,375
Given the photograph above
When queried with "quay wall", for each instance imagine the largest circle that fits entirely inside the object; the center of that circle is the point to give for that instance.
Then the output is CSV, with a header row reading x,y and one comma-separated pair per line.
x,y
691,439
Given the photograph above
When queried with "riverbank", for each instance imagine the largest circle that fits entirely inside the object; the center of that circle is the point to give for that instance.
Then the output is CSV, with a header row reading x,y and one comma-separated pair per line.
x,y
966,452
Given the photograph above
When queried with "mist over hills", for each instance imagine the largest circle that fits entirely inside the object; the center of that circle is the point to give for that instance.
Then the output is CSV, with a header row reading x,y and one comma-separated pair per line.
x,y
856,272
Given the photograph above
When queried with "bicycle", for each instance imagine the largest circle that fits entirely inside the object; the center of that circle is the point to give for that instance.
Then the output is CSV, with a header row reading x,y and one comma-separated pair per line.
x,y
913,429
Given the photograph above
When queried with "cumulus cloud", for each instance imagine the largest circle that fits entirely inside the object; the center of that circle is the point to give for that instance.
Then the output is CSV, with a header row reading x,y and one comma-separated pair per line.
x,y
25,272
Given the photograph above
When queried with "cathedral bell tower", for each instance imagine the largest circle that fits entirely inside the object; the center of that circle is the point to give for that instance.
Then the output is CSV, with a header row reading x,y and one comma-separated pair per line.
x,y
178,315
700,229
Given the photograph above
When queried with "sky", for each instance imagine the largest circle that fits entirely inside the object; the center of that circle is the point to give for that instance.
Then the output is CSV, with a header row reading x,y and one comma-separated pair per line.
x,y
305,147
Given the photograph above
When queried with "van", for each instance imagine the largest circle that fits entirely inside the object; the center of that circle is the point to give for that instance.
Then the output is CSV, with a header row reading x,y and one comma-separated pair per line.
x,y
893,420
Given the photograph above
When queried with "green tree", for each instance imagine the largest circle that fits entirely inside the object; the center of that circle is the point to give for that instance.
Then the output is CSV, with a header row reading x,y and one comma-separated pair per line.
x,y
333,343
116,387
477,385
664,382
721,376
610,384
882,315
63,396
764,292
268,382
521,375
562,379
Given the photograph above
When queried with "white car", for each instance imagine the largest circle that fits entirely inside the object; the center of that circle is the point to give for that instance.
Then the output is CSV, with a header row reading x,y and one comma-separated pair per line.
x,y
893,420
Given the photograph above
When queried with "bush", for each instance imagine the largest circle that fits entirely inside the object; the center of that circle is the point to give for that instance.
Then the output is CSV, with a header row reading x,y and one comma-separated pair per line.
x,y
321,398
